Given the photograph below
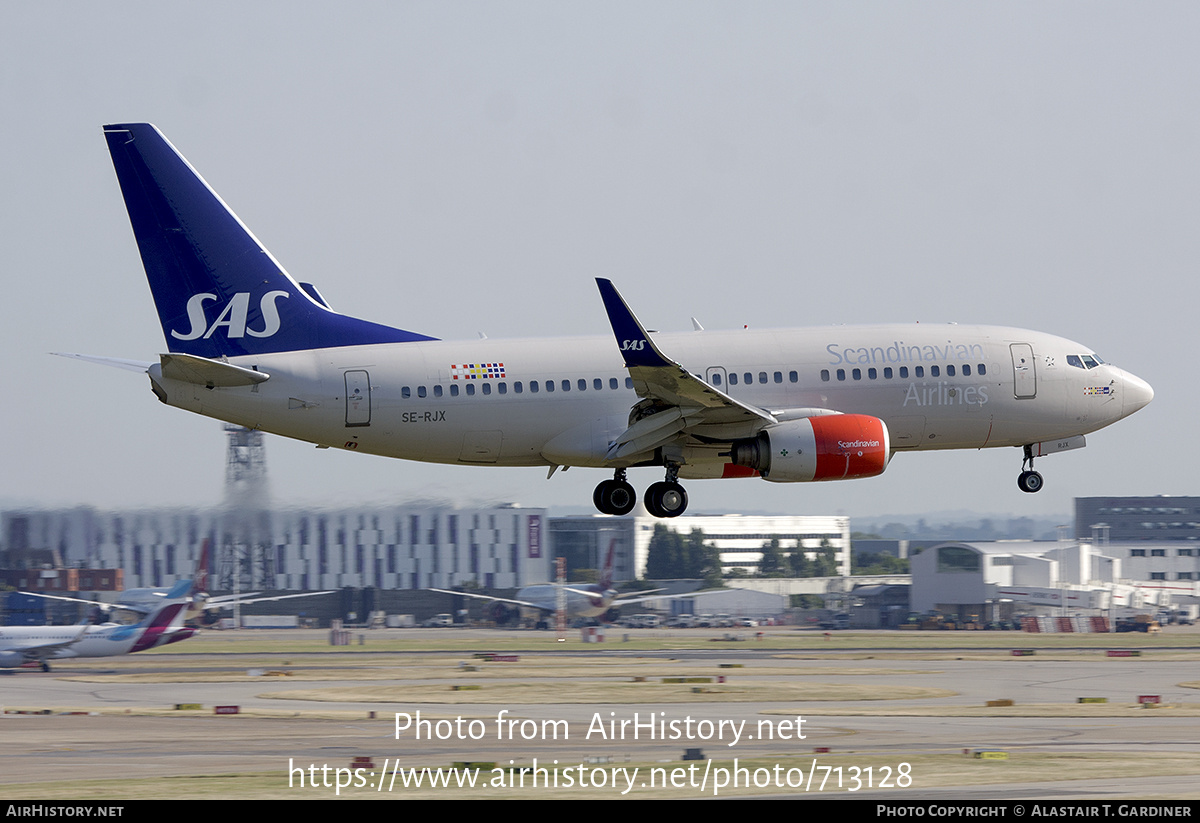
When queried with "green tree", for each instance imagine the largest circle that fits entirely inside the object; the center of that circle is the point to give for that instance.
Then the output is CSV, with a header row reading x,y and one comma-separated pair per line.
x,y
799,563
878,563
772,562
703,560
664,556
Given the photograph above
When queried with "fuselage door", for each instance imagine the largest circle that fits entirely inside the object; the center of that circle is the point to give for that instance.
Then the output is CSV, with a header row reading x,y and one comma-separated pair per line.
x,y
358,398
1024,370
715,377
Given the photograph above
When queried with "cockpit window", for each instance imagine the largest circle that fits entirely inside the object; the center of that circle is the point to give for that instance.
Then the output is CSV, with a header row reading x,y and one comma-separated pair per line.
x,y
1084,361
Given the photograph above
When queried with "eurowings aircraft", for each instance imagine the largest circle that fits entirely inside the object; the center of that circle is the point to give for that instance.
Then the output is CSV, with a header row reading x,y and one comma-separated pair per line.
x,y
194,591
20,645
249,345
540,600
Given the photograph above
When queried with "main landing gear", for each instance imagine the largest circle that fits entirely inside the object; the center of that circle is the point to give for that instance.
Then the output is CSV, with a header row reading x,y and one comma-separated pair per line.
x,y
665,499
615,496
1029,480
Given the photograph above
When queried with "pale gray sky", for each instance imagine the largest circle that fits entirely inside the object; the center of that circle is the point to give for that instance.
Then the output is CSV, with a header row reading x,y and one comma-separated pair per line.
x,y
456,167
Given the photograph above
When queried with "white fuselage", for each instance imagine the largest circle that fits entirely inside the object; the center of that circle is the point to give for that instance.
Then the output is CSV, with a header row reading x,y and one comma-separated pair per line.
x,y
548,402
106,640
575,602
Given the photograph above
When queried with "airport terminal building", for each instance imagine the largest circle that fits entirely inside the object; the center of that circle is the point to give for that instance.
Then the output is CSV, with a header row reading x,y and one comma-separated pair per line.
x,y
385,547
996,580
739,538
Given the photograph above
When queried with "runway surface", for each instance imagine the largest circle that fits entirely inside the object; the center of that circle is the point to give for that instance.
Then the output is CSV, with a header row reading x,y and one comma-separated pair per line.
x,y
41,748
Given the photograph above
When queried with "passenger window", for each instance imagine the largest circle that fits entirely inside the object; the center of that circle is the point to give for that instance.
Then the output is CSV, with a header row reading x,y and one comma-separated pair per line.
x,y
747,378
629,382
612,382
597,384
824,375
716,381
841,374
534,387
966,369
518,387
420,391
950,370
502,388
470,390
437,391
982,370
487,388
919,371
935,371
872,373
454,390
733,378
762,377
778,377
887,372
856,374
549,385
793,377
406,392
566,384
904,372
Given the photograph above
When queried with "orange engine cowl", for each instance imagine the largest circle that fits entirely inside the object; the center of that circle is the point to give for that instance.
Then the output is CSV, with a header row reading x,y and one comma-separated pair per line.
x,y
829,447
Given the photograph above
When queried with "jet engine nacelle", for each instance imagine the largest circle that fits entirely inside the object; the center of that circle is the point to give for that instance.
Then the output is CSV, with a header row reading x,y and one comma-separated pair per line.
x,y
830,447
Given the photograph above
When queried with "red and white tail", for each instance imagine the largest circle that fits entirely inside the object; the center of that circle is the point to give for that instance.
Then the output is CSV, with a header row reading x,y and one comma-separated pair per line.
x,y
606,575
200,578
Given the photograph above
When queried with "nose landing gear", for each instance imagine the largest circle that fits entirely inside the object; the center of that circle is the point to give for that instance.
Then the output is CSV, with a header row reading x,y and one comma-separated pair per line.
x,y
1029,480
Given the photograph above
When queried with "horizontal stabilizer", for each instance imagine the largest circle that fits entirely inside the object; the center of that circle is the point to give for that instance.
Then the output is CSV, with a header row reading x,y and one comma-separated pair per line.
x,y
115,362
210,373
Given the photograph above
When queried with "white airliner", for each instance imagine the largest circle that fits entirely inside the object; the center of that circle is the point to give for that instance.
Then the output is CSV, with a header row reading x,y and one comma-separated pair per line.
x,y
539,601
201,606
249,345
20,645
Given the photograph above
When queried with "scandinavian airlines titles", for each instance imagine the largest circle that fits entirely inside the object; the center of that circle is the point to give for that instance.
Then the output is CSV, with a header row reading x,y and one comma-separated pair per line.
x,y
898,352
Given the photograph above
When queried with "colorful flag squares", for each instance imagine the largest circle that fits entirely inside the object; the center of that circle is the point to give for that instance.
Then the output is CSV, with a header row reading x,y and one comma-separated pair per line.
x,y
477,371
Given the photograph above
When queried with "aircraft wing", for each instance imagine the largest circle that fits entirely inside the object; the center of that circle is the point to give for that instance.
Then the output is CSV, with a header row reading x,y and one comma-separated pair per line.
x,y
647,597
690,401
68,599
226,600
524,603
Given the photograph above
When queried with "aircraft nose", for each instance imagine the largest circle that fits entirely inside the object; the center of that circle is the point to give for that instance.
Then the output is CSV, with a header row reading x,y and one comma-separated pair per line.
x,y
1137,393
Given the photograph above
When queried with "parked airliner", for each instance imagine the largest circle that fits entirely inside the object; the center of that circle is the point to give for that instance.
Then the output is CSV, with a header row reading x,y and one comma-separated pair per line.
x,y
202,607
539,601
249,345
20,645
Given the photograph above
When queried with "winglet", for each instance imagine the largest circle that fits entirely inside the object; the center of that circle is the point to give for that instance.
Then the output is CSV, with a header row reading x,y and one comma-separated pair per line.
x,y
636,346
